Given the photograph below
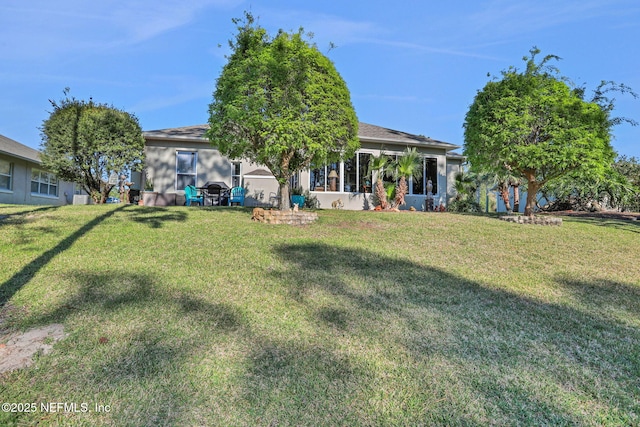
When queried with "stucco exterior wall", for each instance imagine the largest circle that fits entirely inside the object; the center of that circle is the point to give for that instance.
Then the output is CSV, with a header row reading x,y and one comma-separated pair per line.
x,y
263,190
20,192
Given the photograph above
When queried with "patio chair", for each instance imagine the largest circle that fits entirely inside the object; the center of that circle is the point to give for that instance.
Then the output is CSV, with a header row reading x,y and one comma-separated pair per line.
x,y
236,195
191,195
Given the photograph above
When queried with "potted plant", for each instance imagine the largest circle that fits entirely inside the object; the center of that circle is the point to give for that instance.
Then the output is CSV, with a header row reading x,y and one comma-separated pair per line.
x,y
297,197
148,195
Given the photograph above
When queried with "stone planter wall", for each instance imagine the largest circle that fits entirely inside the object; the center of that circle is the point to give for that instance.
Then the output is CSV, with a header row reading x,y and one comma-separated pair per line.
x,y
538,220
284,217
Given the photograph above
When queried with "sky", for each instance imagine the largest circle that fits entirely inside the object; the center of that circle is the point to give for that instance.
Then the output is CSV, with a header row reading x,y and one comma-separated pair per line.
x,y
413,66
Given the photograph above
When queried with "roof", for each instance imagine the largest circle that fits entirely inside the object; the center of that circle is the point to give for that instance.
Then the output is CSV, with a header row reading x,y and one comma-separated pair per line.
x,y
15,149
259,173
366,132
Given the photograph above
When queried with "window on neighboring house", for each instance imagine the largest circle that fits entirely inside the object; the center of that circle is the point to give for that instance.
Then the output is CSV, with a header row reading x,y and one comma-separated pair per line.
x,y
235,174
44,183
186,162
6,174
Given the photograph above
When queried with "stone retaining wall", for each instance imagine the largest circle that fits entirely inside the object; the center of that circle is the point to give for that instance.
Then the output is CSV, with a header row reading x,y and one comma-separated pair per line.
x,y
284,217
539,220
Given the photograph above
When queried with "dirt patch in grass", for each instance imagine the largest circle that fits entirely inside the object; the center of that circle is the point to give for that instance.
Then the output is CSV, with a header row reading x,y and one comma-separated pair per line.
x,y
17,350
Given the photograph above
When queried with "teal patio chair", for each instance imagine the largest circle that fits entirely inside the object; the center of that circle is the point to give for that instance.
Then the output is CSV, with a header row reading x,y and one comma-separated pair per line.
x,y
191,195
236,195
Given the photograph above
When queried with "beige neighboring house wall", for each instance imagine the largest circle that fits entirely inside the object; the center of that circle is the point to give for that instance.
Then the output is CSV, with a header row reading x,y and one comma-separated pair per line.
x,y
24,181
163,148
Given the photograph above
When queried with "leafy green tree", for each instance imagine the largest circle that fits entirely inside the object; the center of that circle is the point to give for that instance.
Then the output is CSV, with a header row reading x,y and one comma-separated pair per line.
x,y
532,123
86,142
618,188
281,103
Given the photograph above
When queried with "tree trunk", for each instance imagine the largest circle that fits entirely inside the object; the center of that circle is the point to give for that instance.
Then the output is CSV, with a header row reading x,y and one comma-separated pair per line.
x,y
381,194
516,197
532,192
401,191
504,193
285,203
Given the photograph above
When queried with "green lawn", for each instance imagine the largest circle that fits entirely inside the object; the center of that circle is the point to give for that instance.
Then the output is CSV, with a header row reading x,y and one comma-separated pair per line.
x,y
199,316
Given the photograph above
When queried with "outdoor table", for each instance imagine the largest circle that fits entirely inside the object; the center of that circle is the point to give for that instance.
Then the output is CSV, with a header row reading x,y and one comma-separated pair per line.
x,y
220,190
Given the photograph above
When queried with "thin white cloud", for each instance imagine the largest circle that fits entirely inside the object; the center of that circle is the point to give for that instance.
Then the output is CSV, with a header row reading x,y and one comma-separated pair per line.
x,y
507,19
183,89
44,28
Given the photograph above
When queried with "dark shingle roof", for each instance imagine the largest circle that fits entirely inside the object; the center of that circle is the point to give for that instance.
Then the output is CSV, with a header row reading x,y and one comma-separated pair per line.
x,y
15,149
366,132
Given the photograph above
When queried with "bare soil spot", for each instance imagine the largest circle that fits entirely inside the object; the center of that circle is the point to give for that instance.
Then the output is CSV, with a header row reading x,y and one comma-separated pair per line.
x,y
17,349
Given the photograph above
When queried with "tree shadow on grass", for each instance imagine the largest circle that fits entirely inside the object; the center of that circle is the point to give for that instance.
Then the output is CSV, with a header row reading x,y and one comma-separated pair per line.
x,y
618,224
136,346
519,360
22,277
23,216
154,217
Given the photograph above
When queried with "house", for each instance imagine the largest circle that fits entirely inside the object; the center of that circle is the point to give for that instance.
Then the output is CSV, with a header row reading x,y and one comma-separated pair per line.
x,y
23,180
181,156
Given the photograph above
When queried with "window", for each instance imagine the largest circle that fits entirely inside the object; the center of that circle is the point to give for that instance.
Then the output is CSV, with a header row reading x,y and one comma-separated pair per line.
x,y
44,183
294,181
364,177
355,173
429,171
431,166
351,175
6,173
186,162
325,178
235,174
318,182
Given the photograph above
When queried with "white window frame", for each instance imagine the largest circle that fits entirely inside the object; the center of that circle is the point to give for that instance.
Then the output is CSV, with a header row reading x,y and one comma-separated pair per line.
x,y
9,175
236,166
46,179
195,168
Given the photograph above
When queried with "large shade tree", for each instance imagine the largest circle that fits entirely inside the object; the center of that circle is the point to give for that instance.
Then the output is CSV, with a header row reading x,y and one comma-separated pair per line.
x,y
532,124
281,103
86,143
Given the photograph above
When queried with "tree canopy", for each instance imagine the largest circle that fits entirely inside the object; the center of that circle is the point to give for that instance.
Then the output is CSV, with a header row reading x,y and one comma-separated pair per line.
x,y
533,124
281,103
85,142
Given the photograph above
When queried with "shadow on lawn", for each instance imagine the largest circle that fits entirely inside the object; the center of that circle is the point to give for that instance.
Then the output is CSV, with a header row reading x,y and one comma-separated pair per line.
x,y
143,358
519,360
154,217
447,350
619,224
23,216
22,277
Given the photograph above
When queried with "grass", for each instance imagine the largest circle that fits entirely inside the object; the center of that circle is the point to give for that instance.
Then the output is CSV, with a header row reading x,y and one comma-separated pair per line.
x,y
198,316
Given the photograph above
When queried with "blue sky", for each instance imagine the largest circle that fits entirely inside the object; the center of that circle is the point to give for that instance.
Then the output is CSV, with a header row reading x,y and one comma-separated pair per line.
x,y
414,66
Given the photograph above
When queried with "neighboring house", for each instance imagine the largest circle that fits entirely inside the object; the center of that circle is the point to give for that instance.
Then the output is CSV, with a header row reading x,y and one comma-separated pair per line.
x,y
182,156
24,181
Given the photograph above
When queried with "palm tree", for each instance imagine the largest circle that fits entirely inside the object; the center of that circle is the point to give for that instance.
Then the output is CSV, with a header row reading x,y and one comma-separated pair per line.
x,y
379,164
465,185
409,165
